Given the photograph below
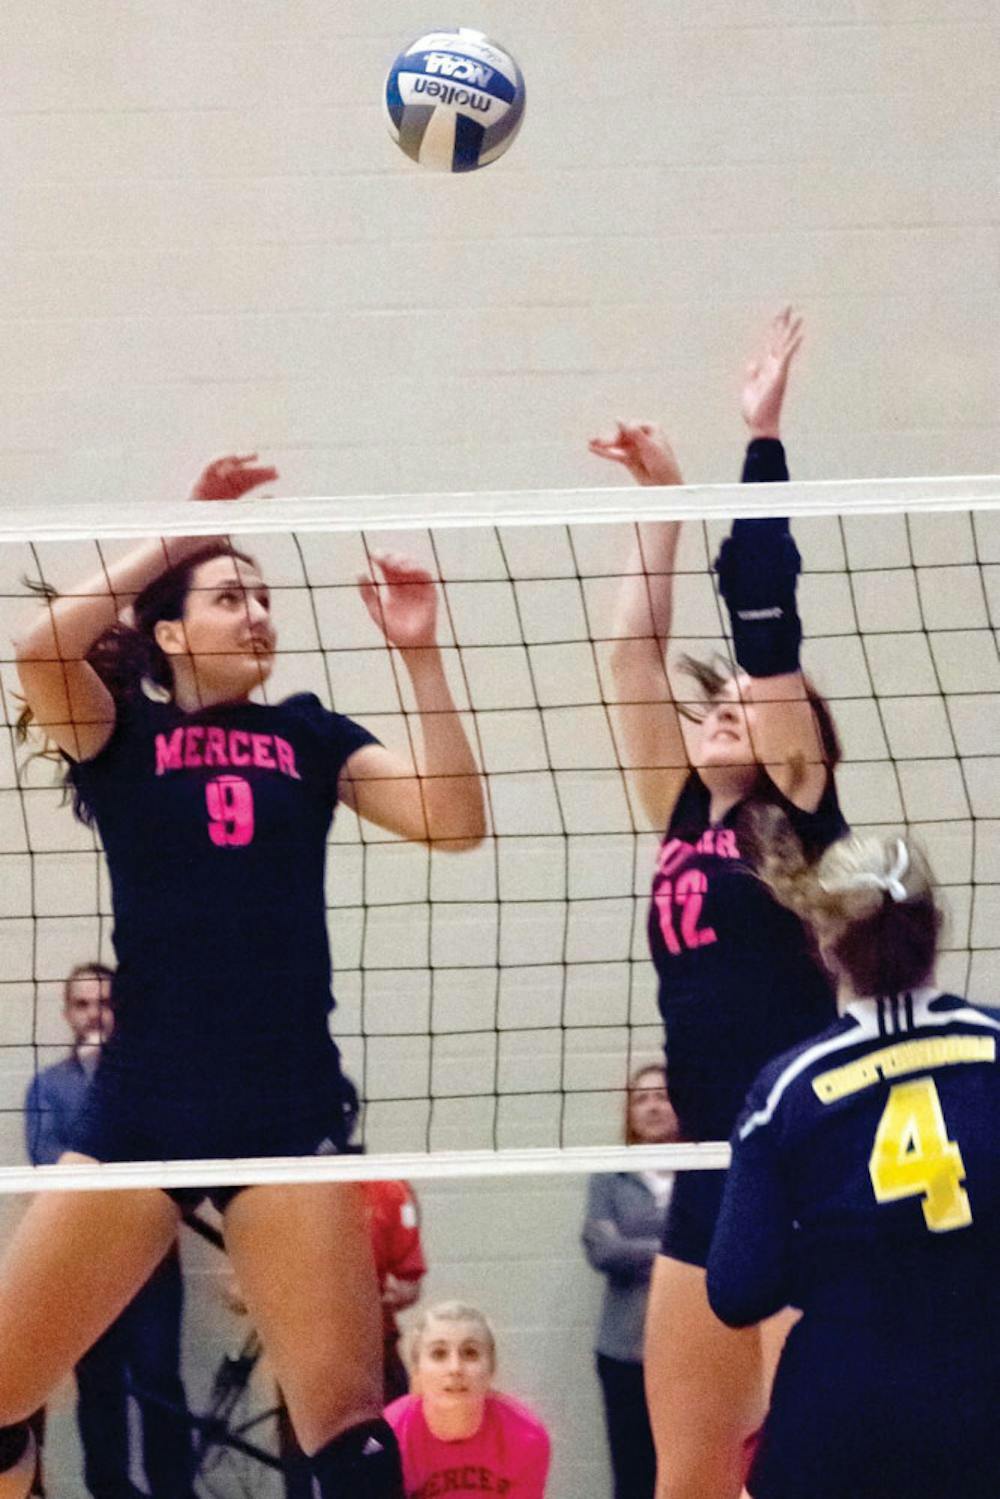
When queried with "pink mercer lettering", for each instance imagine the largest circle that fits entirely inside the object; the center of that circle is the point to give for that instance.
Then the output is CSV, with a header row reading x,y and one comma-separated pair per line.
x,y
191,746
467,1479
675,851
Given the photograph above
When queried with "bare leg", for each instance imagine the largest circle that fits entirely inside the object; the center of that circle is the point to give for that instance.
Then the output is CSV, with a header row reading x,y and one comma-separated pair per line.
x,y
704,1386
75,1261
303,1258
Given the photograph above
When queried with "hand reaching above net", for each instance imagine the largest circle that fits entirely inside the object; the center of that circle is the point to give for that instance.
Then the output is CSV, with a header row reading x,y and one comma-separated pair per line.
x,y
766,376
232,477
402,602
644,450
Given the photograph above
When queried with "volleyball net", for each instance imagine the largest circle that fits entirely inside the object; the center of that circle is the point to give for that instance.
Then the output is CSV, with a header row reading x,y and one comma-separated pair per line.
x,y
491,1005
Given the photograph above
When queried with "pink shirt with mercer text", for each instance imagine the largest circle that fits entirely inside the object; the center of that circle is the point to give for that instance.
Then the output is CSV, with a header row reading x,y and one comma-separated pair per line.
x,y
509,1454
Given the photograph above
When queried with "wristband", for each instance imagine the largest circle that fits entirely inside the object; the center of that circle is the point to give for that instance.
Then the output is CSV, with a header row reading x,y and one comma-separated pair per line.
x,y
758,566
764,462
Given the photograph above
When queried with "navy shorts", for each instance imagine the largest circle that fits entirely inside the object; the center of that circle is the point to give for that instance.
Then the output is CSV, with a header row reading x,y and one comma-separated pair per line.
x,y
691,1216
126,1116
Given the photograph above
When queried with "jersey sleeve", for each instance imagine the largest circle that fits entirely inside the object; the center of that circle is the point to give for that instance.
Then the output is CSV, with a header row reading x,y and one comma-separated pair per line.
x,y
132,718
750,1263
340,736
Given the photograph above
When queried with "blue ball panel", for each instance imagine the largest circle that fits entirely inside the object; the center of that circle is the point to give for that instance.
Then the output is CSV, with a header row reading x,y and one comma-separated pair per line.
x,y
393,98
503,130
468,144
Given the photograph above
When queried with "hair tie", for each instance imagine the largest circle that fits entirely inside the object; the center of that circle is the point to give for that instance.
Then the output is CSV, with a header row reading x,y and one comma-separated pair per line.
x,y
892,882
894,879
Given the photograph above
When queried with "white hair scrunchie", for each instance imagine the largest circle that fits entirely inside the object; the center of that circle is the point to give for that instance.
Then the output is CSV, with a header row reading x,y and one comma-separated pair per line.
x,y
891,882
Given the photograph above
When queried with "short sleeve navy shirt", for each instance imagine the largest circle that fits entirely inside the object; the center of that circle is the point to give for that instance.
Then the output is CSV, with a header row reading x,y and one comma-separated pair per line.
x,y
215,826
739,981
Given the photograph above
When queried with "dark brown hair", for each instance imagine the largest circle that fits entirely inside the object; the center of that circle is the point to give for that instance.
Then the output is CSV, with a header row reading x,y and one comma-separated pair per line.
x,y
127,655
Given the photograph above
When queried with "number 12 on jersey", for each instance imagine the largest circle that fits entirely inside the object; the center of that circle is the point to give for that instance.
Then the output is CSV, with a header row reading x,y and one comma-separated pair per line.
x,y
687,895
913,1157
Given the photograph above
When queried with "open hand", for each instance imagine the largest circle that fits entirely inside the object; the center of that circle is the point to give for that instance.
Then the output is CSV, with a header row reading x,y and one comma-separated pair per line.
x,y
643,449
766,377
231,478
401,598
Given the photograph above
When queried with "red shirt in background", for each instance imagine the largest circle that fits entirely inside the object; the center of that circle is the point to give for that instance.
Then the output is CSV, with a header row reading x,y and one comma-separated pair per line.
x,y
394,1221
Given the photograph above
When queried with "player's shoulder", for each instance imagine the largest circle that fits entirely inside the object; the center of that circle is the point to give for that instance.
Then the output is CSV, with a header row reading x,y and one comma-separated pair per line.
x,y
58,1076
927,1021
339,731
781,1080
945,1009
138,716
401,1414
303,705
518,1419
788,1066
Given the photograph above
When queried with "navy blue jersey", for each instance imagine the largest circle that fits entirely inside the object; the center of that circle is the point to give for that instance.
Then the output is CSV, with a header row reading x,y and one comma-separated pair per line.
x,y
739,980
215,826
865,1189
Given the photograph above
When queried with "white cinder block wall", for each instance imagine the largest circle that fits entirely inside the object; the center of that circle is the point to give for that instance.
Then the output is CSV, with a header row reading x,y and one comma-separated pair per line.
x,y
208,243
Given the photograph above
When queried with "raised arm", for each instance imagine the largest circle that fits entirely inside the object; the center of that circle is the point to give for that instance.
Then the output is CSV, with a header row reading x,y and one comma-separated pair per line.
x,y
758,569
443,803
644,716
68,701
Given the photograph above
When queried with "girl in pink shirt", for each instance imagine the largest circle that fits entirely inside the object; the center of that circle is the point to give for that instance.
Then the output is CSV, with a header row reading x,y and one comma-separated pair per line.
x,y
455,1433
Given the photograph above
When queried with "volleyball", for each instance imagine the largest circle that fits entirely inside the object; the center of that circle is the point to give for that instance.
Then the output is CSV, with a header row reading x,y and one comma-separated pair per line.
x,y
455,100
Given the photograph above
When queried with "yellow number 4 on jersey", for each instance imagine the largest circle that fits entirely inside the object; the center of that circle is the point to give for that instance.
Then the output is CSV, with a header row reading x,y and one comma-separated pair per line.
x,y
913,1156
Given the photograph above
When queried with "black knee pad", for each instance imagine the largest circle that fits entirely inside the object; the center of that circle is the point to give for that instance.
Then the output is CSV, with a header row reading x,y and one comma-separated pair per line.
x,y
13,1444
363,1462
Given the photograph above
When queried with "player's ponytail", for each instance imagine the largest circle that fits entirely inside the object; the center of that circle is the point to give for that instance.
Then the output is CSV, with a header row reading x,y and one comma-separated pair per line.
x,y
875,912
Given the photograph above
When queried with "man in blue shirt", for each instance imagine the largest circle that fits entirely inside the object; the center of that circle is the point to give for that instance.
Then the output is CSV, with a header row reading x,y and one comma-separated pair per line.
x,y
140,1352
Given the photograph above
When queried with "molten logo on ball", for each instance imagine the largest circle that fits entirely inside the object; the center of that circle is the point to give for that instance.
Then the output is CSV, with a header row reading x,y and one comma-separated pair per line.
x,y
455,101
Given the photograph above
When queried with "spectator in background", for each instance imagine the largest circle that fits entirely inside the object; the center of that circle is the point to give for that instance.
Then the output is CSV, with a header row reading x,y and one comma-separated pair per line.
x,y
457,1435
140,1352
394,1219
56,1093
621,1237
